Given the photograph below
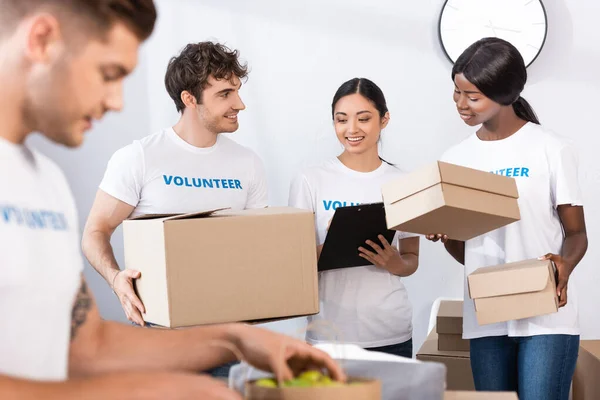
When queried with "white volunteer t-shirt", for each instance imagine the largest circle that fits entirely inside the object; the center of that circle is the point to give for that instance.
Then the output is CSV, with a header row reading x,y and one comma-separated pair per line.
x,y
544,166
163,174
40,265
368,305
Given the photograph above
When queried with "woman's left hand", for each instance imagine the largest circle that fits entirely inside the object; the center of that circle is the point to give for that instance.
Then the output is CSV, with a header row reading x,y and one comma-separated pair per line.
x,y
563,270
384,256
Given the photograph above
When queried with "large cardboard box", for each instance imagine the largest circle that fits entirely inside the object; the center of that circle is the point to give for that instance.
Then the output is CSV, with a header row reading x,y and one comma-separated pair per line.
x,y
458,363
513,291
445,198
449,323
586,381
224,266
458,395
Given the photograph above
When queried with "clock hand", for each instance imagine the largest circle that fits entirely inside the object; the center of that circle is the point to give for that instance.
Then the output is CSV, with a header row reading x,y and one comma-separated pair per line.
x,y
492,27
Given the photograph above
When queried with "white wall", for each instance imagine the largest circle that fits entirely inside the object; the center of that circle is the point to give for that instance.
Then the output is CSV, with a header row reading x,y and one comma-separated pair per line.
x,y
300,52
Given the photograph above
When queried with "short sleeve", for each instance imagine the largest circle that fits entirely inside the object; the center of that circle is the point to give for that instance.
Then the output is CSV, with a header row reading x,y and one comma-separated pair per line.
x,y
123,178
301,195
258,196
564,176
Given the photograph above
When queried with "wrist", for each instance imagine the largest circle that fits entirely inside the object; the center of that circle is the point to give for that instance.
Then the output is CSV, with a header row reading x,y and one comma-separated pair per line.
x,y
113,278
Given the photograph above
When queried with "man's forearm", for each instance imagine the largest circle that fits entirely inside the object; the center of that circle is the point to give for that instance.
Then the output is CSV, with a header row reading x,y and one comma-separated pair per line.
x,y
456,249
99,252
122,347
114,387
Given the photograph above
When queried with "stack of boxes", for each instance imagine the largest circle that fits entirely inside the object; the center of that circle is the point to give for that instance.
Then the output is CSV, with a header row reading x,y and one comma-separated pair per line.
x,y
446,345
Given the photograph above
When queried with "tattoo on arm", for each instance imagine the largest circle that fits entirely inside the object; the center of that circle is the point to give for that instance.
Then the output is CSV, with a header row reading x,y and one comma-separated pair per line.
x,y
81,307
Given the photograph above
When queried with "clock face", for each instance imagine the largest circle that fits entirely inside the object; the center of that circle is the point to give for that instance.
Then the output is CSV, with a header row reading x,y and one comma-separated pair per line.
x,y
523,23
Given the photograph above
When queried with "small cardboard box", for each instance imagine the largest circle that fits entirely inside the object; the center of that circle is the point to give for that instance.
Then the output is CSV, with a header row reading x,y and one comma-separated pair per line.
x,y
460,202
586,381
458,363
224,266
513,291
366,390
449,325
480,396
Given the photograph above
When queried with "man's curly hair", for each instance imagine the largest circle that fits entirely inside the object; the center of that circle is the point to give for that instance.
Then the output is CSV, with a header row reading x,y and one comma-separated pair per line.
x,y
190,70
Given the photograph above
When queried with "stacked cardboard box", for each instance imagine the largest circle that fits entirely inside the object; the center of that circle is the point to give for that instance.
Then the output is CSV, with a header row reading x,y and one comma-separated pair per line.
x,y
445,198
449,325
586,381
445,345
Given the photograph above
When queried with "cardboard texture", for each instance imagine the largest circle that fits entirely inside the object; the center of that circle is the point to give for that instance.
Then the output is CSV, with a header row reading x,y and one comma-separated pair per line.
x,y
458,363
449,324
586,380
457,395
513,291
447,342
460,202
224,266
367,390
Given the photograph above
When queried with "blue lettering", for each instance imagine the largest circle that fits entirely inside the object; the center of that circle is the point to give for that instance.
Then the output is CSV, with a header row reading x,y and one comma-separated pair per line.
x,y
327,204
216,181
516,171
207,183
37,220
186,182
231,184
238,184
178,181
168,179
224,184
509,172
197,182
502,171
337,204
525,172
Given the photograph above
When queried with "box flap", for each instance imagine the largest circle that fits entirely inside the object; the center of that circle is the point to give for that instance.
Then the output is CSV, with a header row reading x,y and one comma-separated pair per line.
x,y
150,216
433,174
194,215
512,278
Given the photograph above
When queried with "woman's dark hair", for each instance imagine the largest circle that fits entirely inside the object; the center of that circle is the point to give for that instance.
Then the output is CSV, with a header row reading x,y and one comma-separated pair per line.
x,y
366,88
497,69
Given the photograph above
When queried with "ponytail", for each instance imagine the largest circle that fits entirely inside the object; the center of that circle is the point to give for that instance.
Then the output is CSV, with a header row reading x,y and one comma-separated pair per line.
x,y
525,111
387,162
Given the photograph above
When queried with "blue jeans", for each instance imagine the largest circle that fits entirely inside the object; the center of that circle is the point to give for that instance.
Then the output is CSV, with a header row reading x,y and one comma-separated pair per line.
x,y
404,349
536,367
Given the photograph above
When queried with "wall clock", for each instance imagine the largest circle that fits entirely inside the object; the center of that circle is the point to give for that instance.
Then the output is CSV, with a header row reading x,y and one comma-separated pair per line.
x,y
523,23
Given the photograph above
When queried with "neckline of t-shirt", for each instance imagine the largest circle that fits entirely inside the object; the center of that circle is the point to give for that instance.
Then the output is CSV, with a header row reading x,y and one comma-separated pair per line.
x,y
380,170
7,144
509,139
185,145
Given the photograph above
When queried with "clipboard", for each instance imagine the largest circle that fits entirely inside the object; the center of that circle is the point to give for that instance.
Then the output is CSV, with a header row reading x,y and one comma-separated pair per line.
x,y
350,228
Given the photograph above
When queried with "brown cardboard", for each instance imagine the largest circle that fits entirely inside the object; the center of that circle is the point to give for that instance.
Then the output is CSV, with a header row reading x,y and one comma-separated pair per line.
x,y
513,291
458,363
459,395
449,323
367,390
450,317
224,266
451,342
586,381
445,198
